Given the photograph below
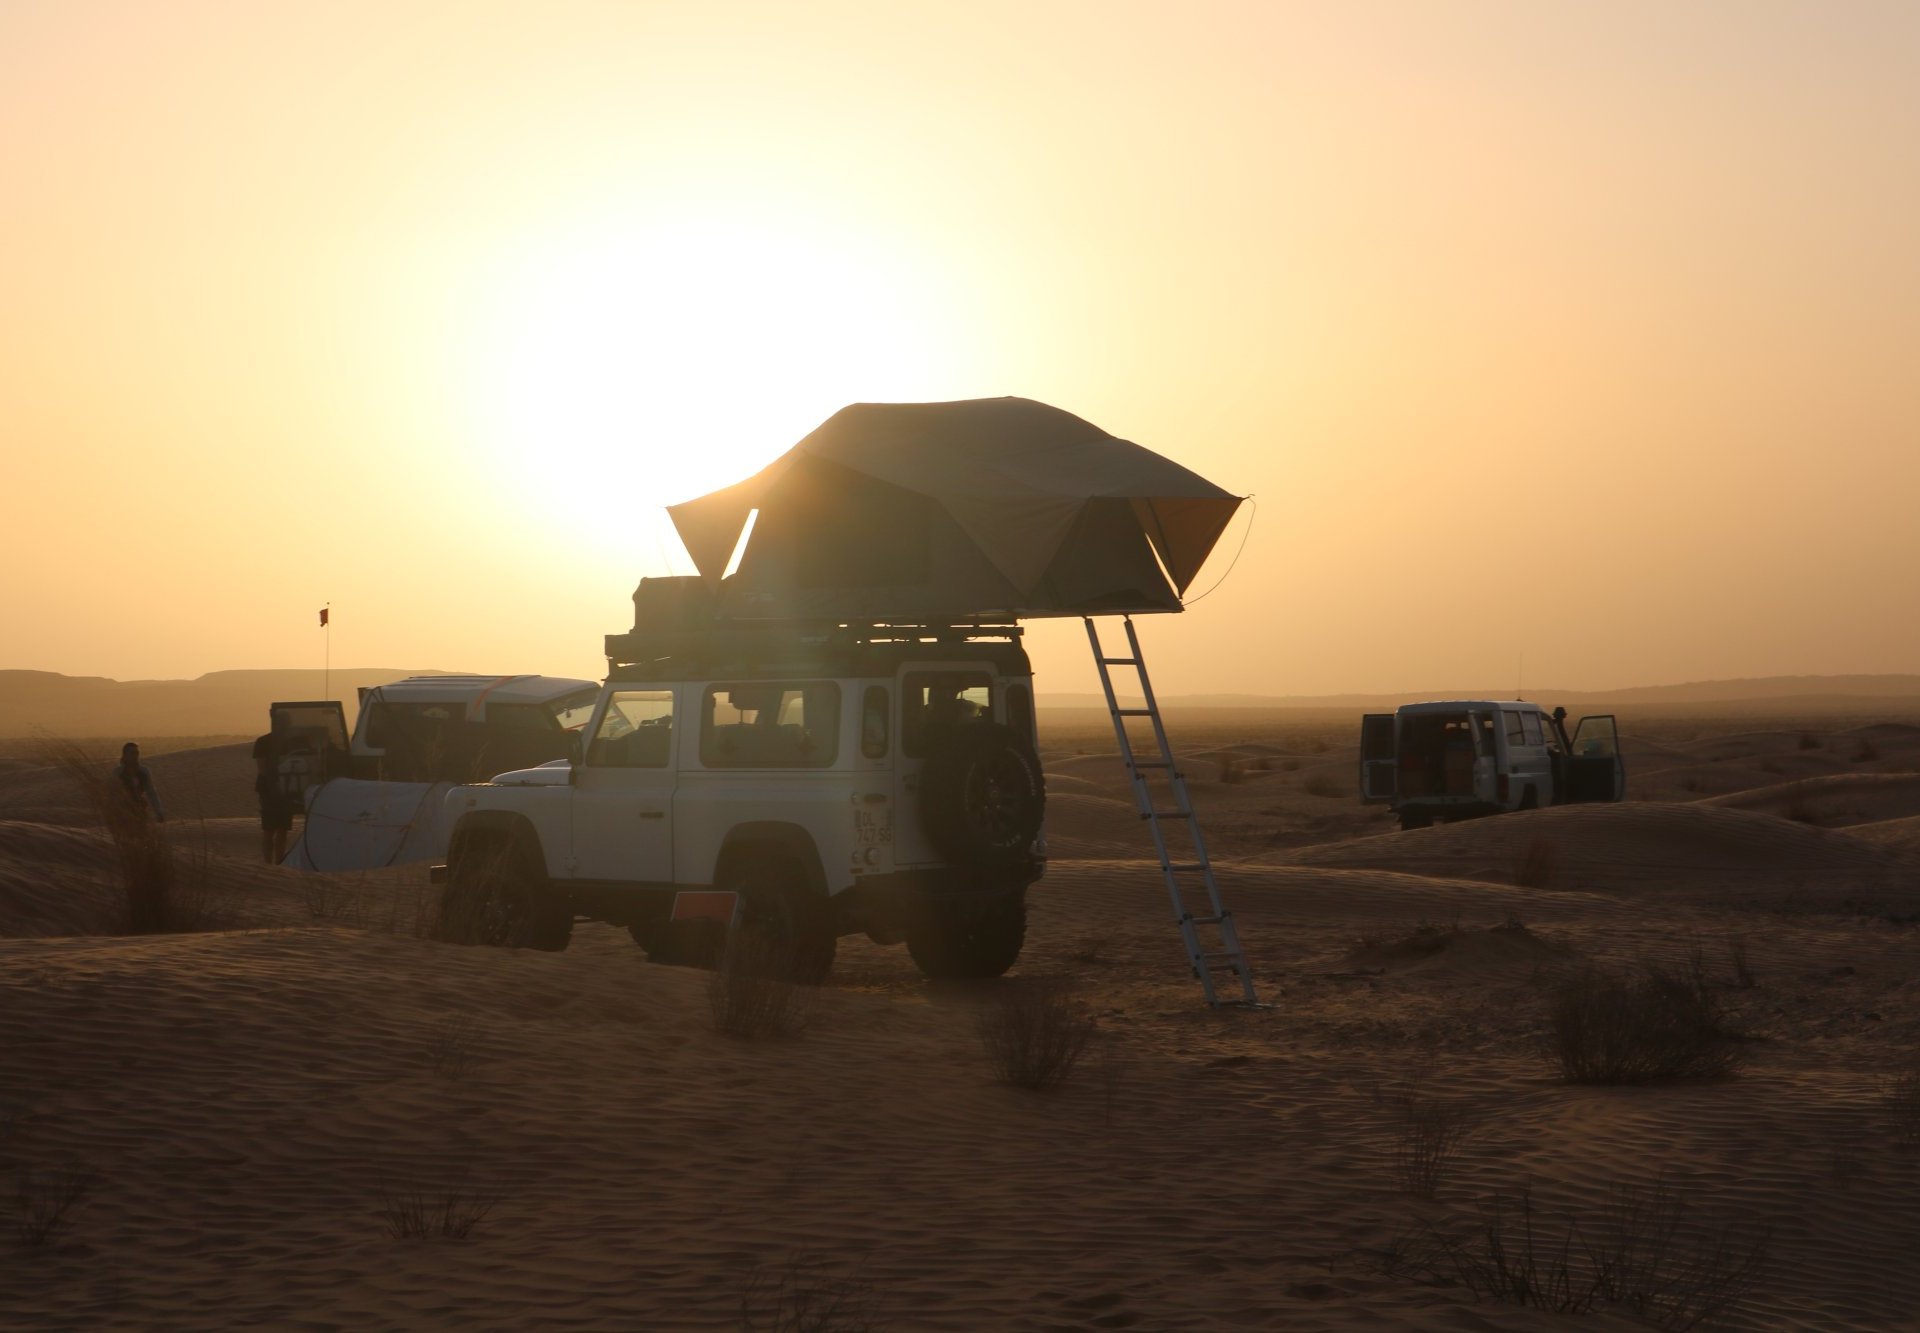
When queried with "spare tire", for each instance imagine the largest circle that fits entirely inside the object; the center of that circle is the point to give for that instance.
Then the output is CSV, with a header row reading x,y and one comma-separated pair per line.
x,y
982,795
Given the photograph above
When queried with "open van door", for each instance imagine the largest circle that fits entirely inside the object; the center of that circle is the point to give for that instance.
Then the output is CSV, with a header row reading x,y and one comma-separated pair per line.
x,y
1378,759
1595,770
314,745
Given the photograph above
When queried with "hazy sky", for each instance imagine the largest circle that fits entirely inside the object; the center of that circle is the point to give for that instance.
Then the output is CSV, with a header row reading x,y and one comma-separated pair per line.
x,y
1584,331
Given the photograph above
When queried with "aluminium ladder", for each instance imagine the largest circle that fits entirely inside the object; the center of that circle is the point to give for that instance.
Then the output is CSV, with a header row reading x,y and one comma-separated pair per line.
x,y
1227,955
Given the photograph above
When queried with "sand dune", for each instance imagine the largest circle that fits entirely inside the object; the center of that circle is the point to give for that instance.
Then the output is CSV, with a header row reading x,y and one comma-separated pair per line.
x,y
246,1099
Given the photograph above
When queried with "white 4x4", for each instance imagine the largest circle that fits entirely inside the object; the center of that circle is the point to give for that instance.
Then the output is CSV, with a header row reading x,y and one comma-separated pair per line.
x,y
798,783
1465,758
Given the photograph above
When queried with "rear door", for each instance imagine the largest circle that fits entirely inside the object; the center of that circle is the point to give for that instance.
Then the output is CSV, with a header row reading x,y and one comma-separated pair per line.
x,y
1595,770
313,745
1377,760
932,697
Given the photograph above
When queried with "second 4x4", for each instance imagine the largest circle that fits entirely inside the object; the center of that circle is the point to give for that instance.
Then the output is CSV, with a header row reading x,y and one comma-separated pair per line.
x,y
794,783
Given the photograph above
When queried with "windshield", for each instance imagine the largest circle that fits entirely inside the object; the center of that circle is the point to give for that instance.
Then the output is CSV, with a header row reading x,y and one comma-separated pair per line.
x,y
574,711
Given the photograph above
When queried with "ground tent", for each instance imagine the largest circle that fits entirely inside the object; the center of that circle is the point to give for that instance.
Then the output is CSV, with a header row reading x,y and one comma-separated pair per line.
x,y
986,509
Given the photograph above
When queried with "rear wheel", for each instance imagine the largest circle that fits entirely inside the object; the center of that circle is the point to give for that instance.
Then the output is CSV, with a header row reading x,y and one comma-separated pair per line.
x,y
1413,819
497,894
784,925
969,941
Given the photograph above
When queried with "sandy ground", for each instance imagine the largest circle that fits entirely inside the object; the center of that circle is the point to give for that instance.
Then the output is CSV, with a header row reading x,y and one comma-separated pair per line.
x,y
244,1102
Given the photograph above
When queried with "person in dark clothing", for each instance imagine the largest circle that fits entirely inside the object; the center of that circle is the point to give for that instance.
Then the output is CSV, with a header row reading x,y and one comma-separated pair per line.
x,y
134,781
276,803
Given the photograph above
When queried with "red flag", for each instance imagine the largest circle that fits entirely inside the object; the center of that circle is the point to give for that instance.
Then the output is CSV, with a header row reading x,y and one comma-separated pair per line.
x,y
323,617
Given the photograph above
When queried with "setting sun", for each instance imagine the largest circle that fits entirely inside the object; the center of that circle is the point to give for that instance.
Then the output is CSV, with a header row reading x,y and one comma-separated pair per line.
x,y
653,360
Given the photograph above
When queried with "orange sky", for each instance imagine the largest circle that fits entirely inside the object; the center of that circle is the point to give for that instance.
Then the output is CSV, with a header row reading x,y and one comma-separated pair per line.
x,y
1577,330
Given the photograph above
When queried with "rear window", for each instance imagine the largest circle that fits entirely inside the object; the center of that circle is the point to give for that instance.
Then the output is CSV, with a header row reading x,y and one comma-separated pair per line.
x,y
1531,721
933,699
1516,734
770,725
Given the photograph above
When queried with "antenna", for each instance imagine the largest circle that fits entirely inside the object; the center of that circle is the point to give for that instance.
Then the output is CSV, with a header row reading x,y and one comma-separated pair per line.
x,y
1519,677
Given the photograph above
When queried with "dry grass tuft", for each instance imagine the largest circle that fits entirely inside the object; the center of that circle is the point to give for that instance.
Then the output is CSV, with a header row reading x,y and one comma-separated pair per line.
x,y
1428,1131
803,1297
1737,960
1538,862
1646,1254
454,1045
749,995
1809,741
1034,1033
1657,1026
43,1201
1233,770
1092,950
1799,807
1323,783
1867,753
333,898
423,1212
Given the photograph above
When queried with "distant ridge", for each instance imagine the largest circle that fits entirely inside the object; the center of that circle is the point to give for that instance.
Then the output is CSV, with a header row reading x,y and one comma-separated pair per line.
x,y
1774,691
220,703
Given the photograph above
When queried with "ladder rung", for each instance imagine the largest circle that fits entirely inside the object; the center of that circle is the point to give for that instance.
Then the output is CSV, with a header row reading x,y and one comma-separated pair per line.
x,y
1184,867
1120,661
1233,959
1208,920
1133,712
1168,814
1152,763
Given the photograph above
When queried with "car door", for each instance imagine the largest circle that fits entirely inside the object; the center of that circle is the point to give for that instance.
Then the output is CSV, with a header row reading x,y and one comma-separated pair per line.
x,y
623,791
1595,769
1378,777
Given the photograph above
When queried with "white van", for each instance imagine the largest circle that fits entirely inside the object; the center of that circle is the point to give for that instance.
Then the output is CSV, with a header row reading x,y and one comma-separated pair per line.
x,y
1464,758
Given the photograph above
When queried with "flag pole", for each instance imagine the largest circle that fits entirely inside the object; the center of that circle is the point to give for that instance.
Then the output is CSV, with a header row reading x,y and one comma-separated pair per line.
x,y
326,670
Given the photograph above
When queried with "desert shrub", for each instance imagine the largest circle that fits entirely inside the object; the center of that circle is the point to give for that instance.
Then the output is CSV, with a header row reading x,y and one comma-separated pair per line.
x,y
1233,770
1426,937
1809,741
1647,1253
331,898
1770,766
1092,949
1324,783
1660,1024
1427,1133
1799,807
1737,960
1034,1034
804,1297
1867,753
749,995
1538,861
420,1212
43,1201
454,1045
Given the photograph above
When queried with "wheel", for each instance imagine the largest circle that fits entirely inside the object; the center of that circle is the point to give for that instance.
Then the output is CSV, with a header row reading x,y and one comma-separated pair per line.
x,y
1531,801
968,941
1410,819
982,796
784,925
497,894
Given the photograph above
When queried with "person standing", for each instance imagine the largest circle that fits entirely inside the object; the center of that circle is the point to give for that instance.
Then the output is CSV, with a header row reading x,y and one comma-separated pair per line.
x,y
135,783
276,805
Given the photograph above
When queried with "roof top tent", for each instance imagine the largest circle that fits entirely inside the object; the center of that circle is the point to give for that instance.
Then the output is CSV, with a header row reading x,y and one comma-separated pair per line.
x,y
950,516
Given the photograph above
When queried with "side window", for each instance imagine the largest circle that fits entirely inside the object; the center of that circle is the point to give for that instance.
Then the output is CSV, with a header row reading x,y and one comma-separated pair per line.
x,y
933,699
1531,722
876,722
637,731
1020,713
1484,724
770,725
1516,734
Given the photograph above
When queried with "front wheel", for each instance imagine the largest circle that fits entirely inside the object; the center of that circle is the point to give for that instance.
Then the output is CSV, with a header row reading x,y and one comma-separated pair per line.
x,y
963,941
497,894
